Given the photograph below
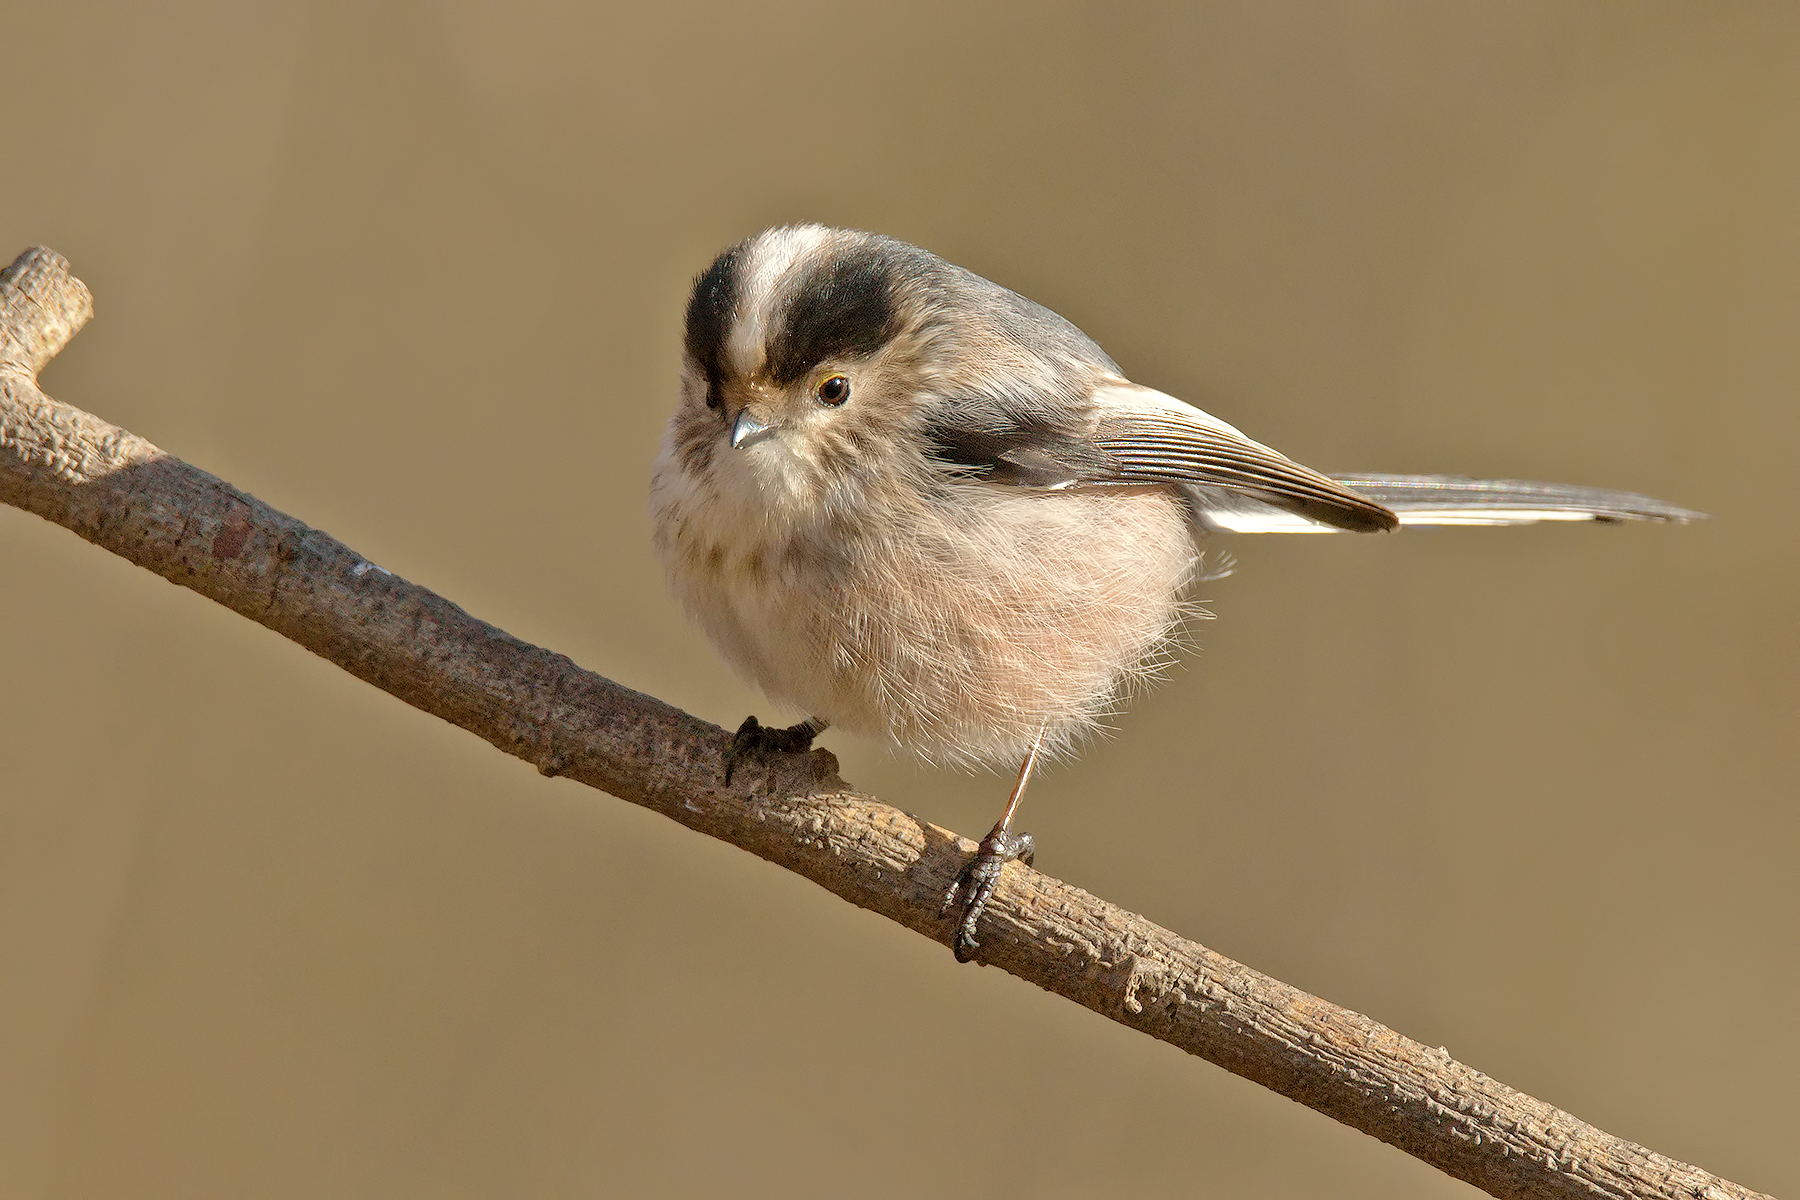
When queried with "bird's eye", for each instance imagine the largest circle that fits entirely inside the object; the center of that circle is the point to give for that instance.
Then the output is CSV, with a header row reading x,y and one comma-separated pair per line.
x,y
834,390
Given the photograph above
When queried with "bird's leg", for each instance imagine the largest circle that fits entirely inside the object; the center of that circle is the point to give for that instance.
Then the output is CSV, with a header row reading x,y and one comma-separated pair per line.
x,y
753,736
977,881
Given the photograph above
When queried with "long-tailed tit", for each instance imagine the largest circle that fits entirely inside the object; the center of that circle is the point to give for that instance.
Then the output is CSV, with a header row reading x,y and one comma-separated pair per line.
x,y
917,506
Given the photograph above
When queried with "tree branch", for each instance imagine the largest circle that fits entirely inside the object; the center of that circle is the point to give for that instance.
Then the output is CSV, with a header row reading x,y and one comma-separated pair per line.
x,y
123,494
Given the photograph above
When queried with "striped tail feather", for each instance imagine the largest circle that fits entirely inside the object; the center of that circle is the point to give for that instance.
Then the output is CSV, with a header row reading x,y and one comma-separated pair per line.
x,y
1456,500
1460,500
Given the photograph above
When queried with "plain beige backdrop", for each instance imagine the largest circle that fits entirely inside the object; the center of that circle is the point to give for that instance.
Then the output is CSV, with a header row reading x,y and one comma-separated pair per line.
x,y
414,273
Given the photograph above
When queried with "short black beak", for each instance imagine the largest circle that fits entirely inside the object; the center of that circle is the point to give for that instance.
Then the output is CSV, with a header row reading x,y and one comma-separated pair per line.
x,y
747,429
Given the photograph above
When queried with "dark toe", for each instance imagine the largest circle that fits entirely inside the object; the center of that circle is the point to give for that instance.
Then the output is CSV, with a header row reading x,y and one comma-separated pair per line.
x,y
753,737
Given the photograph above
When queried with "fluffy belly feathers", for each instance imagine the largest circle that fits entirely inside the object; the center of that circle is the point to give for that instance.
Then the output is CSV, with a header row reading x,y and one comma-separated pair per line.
x,y
957,631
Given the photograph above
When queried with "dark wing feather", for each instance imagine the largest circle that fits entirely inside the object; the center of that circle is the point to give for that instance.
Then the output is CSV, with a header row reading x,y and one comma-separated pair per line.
x,y
1124,434
994,444
1166,446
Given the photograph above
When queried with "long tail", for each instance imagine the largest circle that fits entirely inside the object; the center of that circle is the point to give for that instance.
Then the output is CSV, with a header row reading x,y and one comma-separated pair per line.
x,y
1460,500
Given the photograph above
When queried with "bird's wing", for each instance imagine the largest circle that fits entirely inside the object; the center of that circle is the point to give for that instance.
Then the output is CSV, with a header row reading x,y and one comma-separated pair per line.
x,y
1125,434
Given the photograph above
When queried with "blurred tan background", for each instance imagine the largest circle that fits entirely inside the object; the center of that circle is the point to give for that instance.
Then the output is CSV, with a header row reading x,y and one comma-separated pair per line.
x,y
414,273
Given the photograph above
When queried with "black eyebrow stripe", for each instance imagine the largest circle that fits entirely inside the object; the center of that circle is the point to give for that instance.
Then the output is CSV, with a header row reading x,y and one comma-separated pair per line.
x,y
710,313
842,307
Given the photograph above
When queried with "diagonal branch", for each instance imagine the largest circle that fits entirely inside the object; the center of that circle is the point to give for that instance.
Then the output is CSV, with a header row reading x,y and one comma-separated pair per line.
x,y
123,494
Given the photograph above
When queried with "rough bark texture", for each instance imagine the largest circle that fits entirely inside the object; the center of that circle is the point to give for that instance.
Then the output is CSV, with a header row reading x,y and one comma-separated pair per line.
x,y
123,494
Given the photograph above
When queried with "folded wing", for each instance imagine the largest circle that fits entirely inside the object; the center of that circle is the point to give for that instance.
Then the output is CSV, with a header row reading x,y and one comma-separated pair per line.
x,y
1125,434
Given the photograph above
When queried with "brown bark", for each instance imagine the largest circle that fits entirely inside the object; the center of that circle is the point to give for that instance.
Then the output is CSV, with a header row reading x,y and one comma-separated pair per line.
x,y
123,494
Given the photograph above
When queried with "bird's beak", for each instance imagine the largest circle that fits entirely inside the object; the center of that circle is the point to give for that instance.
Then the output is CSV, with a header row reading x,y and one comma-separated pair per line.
x,y
749,428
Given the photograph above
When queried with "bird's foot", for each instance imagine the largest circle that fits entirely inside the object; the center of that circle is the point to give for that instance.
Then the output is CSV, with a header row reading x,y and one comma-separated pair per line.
x,y
754,737
976,884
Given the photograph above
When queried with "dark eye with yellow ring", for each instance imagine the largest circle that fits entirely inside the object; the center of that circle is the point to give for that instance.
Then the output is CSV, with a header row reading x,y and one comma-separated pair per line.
x,y
834,390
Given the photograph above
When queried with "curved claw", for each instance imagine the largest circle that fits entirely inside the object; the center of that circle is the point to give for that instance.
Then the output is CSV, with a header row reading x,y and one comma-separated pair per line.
x,y
975,886
754,737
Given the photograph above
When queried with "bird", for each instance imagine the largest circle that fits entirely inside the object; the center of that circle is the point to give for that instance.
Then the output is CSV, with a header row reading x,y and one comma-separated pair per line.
x,y
915,505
